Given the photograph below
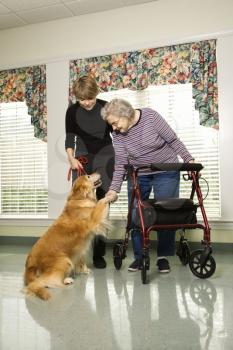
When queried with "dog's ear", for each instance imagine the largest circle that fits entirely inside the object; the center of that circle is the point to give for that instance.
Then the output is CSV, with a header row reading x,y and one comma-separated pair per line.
x,y
80,181
83,190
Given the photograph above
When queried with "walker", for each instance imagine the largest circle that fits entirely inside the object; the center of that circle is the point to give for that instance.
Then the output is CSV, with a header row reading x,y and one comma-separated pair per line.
x,y
173,213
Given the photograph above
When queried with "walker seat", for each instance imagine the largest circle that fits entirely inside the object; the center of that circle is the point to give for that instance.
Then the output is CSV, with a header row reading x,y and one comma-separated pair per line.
x,y
168,212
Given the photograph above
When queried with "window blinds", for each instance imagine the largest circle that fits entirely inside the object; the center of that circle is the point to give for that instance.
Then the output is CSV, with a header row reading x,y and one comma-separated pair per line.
x,y
23,165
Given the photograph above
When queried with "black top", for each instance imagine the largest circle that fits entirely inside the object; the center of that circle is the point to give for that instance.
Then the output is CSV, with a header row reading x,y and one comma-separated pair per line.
x,y
86,131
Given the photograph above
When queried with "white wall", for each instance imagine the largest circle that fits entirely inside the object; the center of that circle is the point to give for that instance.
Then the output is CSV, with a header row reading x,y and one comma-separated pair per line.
x,y
152,24
57,75
225,81
148,25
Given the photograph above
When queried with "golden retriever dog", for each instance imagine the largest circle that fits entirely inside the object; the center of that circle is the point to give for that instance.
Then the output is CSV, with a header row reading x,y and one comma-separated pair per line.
x,y
61,251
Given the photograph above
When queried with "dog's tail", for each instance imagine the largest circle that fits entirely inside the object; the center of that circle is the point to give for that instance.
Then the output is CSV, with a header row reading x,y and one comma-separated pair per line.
x,y
30,273
38,288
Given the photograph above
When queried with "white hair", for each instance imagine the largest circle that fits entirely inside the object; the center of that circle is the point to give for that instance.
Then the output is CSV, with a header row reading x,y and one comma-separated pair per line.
x,y
119,108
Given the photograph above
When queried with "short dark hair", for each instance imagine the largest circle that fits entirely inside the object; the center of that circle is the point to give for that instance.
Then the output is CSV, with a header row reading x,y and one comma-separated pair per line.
x,y
86,88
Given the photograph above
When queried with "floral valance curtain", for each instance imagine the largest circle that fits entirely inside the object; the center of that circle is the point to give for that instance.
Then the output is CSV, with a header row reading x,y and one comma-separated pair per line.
x,y
177,64
27,84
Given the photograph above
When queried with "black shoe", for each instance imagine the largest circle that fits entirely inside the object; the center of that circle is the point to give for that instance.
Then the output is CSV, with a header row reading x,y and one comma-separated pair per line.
x,y
135,266
163,265
99,262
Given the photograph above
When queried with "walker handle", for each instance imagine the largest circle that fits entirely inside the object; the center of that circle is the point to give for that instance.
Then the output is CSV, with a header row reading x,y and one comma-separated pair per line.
x,y
176,167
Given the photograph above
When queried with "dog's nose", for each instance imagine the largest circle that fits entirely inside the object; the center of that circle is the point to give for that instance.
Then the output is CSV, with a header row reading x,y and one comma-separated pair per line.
x,y
96,174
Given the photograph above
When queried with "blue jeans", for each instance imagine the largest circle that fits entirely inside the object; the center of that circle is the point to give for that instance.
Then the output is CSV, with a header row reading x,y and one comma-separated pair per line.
x,y
165,185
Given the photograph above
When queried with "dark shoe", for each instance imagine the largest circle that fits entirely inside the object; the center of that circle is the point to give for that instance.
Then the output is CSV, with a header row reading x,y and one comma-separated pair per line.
x,y
99,262
135,266
163,265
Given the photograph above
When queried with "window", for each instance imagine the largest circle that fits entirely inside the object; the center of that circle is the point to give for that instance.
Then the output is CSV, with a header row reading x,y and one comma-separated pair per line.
x,y
23,165
176,105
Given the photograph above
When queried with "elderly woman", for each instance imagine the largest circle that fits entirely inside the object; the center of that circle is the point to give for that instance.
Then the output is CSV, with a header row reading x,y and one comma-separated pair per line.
x,y
142,136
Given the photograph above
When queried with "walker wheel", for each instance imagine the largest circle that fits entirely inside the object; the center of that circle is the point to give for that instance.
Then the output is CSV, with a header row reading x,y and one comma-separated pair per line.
x,y
117,262
118,255
145,267
203,293
183,252
202,266
143,271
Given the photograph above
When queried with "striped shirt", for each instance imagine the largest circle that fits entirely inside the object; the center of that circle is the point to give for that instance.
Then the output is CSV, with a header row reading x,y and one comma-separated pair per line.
x,y
151,140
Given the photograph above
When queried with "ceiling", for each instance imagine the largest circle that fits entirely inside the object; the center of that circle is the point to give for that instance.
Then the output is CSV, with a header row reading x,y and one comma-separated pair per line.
x,y
16,13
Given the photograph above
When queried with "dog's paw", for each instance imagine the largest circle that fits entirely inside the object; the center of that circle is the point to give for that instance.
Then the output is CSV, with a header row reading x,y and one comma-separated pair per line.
x,y
104,200
86,270
68,280
82,268
111,196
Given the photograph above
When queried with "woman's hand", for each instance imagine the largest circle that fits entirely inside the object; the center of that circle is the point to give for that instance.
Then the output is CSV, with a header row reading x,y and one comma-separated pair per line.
x,y
189,172
193,161
111,196
75,164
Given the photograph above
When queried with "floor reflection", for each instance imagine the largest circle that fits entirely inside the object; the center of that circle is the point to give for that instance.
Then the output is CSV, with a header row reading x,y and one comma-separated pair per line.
x,y
112,310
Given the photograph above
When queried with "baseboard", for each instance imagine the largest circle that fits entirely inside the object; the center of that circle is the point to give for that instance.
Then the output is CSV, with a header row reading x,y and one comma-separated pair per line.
x,y
29,241
217,247
18,240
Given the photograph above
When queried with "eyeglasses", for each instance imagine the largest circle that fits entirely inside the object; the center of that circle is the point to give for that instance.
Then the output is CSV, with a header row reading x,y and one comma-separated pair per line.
x,y
115,123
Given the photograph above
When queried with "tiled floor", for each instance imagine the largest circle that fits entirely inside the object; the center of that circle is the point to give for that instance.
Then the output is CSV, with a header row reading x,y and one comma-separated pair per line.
x,y
111,309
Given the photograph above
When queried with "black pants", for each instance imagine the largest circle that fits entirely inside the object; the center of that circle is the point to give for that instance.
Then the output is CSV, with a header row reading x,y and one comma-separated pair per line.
x,y
103,163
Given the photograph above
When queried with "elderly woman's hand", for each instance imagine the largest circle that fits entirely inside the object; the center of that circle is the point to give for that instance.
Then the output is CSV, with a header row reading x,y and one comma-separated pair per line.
x,y
111,196
193,161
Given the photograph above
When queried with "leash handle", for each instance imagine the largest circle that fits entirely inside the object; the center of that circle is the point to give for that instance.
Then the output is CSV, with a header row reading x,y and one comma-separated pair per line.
x,y
83,160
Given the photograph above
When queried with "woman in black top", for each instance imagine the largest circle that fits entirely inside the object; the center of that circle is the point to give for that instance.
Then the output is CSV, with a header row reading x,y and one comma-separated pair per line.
x,y
88,138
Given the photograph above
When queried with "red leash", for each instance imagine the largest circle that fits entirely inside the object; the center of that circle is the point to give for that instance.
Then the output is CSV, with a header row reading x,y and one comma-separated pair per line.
x,y
83,160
